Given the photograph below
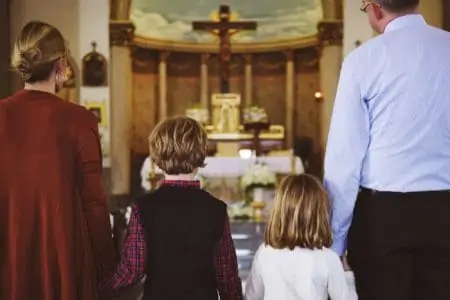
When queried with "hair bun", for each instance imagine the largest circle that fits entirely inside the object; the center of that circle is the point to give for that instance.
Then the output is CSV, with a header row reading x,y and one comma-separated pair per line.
x,y
28,58
36,50
32,55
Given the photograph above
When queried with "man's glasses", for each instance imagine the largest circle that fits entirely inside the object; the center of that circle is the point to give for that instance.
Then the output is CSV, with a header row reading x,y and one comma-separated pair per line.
x,y
366,4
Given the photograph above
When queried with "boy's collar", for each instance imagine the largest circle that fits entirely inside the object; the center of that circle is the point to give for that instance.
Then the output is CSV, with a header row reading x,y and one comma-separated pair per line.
x,y
181,183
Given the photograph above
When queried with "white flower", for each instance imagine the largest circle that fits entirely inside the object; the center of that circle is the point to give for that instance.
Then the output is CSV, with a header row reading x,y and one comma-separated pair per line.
x,y
258,175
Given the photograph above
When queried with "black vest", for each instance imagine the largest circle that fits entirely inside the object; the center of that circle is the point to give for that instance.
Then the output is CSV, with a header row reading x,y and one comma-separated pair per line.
x,y
183,226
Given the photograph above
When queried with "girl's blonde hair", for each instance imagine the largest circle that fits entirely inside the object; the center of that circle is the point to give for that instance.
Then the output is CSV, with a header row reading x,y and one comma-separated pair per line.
x,y
300,216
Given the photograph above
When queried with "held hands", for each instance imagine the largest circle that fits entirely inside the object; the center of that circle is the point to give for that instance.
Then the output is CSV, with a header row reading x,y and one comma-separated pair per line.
x,y
345,263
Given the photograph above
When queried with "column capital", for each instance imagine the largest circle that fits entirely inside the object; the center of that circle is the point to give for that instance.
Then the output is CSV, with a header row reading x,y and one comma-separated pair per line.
x,y
330,32
204,58
248,58
164,56
289,54
121,33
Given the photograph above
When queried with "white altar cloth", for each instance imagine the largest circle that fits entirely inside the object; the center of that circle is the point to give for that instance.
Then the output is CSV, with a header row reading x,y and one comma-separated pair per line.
x,y
231,167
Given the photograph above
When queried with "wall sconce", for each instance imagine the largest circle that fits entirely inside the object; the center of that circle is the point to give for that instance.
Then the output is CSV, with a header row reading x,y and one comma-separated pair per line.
x,y
318,96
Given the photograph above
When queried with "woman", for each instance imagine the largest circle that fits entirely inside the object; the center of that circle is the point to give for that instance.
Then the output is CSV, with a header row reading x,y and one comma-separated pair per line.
x,y
55,236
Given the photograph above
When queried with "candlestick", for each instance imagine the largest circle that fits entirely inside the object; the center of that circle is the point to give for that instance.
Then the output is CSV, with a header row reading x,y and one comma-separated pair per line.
x,y
293,162
152,169
152,178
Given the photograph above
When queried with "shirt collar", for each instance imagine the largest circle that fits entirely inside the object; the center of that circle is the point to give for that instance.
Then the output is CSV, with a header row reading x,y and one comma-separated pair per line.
x,y
181,183
405,21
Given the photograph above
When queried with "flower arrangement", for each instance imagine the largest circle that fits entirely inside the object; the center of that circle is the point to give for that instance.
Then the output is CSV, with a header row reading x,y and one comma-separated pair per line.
x,y
198,113
255,114
258,175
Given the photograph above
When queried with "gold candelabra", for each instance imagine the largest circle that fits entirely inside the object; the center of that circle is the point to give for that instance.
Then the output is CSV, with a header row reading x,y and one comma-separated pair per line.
x,y
258,207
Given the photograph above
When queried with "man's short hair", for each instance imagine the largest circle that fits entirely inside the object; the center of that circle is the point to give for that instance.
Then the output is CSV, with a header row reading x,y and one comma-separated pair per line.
x,y
398,6
178,145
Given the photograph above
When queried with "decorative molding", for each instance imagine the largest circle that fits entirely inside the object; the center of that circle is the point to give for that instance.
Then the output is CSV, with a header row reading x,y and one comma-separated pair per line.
x,y
188,47
121,33
143,59
308,58
331,32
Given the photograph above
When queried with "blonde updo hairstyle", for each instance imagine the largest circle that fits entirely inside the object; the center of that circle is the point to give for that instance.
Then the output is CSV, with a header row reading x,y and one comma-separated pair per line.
x,y
37,50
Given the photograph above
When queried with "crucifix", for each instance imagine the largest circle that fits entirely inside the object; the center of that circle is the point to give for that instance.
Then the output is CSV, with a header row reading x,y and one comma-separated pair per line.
x,y
224,29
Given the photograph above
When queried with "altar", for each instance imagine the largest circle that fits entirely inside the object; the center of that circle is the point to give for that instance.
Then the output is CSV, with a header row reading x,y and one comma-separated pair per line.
x,y
221,175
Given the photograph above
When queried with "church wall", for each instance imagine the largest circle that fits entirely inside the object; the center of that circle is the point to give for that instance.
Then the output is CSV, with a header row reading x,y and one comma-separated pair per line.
x,y
269,85
183,86
432,12
145,97
93,26
356,26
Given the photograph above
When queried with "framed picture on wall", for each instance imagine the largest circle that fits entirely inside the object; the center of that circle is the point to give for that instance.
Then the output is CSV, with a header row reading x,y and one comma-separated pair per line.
x,y
99,110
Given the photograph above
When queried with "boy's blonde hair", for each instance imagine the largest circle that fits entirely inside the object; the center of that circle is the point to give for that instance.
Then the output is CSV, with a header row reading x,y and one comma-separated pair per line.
x,y
300,216
178,145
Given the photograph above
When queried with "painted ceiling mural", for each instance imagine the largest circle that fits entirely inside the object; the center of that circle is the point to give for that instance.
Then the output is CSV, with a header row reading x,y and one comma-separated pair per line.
x,y
277,20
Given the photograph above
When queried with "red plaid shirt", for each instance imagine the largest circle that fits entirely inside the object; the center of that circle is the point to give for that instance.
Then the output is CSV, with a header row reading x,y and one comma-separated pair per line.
x,y
132,266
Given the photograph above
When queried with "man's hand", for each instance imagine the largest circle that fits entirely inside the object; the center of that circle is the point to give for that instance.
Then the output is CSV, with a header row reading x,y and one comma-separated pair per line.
x,y
345,263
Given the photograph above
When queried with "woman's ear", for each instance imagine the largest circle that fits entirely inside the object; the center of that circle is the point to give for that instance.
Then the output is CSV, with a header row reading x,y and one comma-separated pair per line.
x,y
61,67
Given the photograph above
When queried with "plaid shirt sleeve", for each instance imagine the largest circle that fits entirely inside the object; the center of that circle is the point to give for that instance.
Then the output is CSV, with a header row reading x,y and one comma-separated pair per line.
x,y
228,282
132,265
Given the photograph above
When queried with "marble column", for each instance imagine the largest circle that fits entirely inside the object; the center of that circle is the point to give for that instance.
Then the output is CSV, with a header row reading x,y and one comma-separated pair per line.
x,y
330,36
204,97
248,73
163,56
121,34
290,90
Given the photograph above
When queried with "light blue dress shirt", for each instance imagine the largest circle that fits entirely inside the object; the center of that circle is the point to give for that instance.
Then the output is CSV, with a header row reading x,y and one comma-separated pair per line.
x,y
390,128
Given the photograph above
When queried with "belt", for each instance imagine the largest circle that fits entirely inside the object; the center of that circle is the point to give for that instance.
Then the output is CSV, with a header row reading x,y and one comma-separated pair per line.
x,y
364,190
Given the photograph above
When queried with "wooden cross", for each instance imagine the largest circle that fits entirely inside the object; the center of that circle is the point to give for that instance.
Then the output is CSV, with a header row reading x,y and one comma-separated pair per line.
x,y
225,28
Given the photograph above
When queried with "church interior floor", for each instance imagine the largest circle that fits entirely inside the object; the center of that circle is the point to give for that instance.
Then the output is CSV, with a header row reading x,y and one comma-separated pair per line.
x,y
247,237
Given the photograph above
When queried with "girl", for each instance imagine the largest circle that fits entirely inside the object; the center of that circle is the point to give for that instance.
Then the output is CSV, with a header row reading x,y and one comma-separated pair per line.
x,y
294,263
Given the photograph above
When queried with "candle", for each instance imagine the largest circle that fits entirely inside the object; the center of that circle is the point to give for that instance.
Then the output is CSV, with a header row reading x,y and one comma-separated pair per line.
x,y
152,169
293,162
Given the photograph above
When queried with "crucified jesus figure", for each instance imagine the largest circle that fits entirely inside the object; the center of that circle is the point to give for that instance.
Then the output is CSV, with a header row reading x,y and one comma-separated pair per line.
x,y
224,29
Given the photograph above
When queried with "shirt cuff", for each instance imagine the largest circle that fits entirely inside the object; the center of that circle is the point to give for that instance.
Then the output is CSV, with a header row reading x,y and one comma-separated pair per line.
x,y
339,246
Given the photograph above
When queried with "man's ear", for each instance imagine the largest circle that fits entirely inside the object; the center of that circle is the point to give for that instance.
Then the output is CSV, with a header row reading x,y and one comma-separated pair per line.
x,y
377,12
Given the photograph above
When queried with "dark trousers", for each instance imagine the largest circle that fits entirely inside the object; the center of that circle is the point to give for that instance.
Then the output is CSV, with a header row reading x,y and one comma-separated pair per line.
x,y
399,245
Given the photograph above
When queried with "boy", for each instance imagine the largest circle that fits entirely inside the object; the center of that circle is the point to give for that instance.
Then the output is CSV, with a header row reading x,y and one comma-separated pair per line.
x,y
179,235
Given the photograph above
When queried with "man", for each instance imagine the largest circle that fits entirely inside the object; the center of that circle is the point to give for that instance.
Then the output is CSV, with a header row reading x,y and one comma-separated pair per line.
x,y
387,166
